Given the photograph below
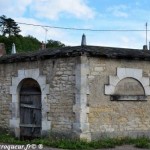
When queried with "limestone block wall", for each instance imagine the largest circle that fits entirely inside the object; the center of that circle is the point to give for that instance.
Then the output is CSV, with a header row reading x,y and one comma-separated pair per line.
x,y
84,95
62,95
5,97
59,75
118,117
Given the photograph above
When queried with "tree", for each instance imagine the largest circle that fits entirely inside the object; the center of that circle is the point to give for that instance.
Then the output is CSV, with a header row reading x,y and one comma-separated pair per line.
x,y
53,44
2,23
9,26
30,43
23,44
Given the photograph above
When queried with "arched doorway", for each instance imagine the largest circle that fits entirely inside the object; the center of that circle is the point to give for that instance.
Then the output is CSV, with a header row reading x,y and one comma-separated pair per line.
x,y
30,109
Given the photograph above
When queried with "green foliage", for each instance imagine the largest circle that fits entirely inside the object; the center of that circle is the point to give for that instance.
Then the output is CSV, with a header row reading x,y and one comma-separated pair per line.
x,y
9,26
23,44
26,44
7,138
54,44
141,142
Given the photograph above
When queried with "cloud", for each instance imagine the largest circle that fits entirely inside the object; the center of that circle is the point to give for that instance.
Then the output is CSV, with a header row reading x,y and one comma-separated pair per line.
x,y
39,32
53,9
49,9
118,11
13,8
33,11
72,38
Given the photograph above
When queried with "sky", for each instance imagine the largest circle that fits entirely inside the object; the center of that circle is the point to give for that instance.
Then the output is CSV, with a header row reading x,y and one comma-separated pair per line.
x,y
91,14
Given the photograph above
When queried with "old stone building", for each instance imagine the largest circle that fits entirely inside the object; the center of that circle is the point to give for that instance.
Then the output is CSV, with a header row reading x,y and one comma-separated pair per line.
x,y
83,91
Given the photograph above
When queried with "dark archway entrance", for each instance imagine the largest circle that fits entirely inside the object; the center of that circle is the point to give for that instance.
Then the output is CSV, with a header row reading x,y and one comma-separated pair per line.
x,y
30,109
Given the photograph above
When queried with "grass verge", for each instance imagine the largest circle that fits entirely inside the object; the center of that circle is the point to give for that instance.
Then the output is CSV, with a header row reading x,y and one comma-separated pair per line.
x,y
141,142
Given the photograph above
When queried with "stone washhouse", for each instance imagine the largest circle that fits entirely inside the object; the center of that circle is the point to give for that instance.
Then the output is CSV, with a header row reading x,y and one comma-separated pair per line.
x,y
85,92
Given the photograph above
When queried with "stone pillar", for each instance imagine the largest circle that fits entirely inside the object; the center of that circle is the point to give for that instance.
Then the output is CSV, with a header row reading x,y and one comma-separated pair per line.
x,y
81,127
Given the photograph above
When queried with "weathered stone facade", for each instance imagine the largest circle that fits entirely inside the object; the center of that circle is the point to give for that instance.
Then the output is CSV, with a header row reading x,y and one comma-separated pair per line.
x,y
117,118
84,94
60,75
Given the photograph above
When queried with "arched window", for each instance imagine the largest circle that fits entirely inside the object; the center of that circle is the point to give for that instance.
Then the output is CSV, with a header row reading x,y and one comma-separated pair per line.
x,y
128,84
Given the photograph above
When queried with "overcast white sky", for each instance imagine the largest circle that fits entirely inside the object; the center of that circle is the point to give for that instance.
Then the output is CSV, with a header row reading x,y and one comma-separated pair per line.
x,y
94,14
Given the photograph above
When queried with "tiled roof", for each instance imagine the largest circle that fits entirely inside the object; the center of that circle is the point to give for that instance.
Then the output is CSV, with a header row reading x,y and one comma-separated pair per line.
x,y
93,51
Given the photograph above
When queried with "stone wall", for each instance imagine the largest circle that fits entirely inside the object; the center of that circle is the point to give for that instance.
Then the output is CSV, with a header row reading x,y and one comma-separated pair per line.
x,y
87,96
129,117
60,75
62,95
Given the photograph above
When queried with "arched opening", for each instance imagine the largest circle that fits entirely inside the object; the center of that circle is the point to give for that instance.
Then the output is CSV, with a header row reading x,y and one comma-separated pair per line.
x,y
30,109
129,86
129,89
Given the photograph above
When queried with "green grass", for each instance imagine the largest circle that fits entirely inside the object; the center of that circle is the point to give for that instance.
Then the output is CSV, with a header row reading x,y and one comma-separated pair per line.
x,y
141,142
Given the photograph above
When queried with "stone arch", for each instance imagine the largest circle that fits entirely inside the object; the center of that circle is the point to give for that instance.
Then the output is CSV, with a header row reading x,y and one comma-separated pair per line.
x,y
14,91
129,86
123,73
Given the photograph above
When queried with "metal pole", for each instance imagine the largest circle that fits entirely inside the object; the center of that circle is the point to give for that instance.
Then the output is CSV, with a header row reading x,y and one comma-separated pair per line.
x,y
45,35
146,33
